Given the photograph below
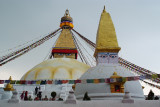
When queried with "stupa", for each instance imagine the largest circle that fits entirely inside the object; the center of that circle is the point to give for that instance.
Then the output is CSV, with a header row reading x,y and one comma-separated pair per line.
x,y
106,54
63,64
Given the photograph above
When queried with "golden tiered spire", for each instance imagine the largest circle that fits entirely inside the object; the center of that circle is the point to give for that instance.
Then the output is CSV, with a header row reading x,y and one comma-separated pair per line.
x,y
9,87
65,46
65,40
106,40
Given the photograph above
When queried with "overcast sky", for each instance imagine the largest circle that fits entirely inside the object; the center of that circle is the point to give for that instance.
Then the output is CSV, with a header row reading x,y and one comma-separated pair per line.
x,y
137,24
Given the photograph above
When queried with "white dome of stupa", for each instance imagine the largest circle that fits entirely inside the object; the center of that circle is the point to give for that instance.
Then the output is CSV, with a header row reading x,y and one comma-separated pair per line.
x,y
102,90
57,68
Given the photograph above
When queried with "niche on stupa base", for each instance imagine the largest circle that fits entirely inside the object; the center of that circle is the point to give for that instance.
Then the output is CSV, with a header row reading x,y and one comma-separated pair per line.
x,y
116,87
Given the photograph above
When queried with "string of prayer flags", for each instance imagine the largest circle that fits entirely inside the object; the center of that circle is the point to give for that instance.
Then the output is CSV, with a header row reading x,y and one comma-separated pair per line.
x,y
83,81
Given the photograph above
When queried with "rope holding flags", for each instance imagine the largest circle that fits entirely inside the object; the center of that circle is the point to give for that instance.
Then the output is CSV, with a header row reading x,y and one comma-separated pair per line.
x,y
19,52
84,81
103,80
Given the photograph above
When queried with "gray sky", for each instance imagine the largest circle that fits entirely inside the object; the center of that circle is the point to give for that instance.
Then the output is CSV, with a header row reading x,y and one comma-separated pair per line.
x,y
136,22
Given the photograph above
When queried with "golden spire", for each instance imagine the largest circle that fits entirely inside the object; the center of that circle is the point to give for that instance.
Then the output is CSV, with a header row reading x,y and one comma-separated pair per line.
x,y
104,9
9,87
65,46
65,40
10,78
66,21
106,40
66,13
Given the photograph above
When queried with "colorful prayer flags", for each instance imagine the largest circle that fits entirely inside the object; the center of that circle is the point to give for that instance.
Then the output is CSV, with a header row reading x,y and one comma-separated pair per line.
x,y
84,81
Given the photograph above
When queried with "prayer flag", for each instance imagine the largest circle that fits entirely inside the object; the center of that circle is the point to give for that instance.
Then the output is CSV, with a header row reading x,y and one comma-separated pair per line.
x,y
64,81
22,82
33,82
89,80
1,81
96,80
49,82
56,81
107,80
17,82
142,77
29,82
59,82
43,82
7,81
102,80
38,82
77,81
12,81
71,81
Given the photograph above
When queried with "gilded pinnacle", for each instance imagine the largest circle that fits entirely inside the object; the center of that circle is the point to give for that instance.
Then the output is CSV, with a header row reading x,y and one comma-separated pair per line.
x,y
106,35
104,10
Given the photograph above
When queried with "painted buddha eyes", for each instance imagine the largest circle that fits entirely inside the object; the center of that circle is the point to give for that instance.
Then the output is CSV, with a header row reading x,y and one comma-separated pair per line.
x,y
104,56
68,54
111,56
61,54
